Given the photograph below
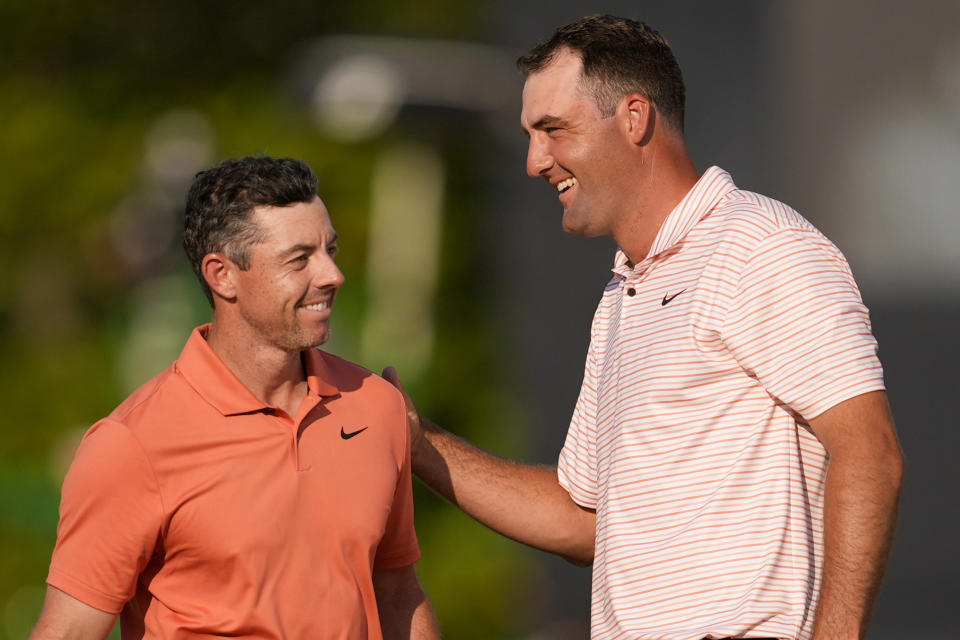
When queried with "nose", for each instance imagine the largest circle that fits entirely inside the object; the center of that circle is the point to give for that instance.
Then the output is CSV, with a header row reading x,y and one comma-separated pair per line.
x,y
328,274
539,159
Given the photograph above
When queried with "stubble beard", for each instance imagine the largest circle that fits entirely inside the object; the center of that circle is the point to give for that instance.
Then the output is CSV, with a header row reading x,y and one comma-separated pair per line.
x,y
296,339
290,336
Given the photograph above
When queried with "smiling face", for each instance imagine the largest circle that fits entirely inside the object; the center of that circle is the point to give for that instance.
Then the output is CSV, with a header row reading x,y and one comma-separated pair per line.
x,y
574,148
286,295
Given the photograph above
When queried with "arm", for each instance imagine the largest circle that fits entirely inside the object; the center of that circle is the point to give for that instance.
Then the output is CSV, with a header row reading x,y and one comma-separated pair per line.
x,y
521,501
66,618
405,612
862,490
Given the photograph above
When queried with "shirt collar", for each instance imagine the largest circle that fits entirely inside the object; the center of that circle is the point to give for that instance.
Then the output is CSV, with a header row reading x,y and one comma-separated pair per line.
x,y
215,382
712,187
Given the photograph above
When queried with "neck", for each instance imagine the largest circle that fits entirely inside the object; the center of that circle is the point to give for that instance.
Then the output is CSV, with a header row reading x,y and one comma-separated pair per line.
x,y
275,376
667,175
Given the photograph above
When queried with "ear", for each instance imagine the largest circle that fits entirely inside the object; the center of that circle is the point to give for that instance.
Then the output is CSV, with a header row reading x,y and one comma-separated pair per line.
x,y
218,271
637,114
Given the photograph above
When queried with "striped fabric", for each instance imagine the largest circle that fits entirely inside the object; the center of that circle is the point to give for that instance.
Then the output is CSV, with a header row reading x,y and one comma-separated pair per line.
x,y
690,435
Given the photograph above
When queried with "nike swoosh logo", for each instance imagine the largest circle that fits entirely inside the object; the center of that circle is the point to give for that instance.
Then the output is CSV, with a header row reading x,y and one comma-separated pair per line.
x,y
347,436
668,299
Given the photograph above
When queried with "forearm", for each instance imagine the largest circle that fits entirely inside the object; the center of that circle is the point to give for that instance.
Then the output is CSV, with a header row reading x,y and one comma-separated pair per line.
x,y
861,499
65,618
405,611
521,501
423,624
408,621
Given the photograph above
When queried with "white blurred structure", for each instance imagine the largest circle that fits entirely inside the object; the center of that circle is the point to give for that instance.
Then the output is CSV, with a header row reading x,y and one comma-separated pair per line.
x,y
359,84
872,93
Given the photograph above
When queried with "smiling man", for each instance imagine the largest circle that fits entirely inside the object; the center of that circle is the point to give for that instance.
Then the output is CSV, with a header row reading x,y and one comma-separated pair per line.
x,y
259,487
731,467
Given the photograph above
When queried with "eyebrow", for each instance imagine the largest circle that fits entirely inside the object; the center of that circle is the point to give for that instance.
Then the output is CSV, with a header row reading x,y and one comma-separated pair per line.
x,y
546,121
309,247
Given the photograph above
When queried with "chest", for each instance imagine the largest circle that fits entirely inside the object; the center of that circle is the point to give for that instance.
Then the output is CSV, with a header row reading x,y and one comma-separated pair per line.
x,y
658,344
258,489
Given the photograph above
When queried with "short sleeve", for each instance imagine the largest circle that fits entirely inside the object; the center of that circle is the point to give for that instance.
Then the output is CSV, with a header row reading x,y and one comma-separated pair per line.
x,y
110,519
797,323
577,467
399,547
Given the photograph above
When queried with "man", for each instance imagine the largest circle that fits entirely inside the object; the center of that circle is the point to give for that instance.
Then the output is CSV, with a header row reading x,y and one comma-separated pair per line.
x,y
731,467
259,487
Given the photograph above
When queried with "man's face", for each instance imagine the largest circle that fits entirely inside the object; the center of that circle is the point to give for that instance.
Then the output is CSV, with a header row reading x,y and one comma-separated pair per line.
x,y
573,147
286,295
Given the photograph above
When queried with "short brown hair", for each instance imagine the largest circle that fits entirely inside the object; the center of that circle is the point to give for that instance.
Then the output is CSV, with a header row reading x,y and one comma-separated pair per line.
x,y
221,200
620,56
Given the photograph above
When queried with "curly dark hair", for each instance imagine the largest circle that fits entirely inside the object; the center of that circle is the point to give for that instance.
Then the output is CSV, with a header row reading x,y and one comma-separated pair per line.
x,y
221,200
620,56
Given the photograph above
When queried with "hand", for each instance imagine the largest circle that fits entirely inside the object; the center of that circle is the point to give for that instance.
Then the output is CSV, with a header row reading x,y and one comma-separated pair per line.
x,y
414,421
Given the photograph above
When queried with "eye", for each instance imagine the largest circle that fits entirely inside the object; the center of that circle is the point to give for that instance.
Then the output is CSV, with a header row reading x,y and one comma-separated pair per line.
x,y
332,250
300,261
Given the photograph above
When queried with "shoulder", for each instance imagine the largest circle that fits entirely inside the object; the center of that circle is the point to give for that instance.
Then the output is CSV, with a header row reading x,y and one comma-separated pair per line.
x,y
164,410
120,433
351,378
758,215
109,456
746,225
151,394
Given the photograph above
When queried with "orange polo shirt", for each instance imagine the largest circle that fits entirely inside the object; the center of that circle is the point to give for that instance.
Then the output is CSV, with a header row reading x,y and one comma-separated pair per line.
x,y
196,510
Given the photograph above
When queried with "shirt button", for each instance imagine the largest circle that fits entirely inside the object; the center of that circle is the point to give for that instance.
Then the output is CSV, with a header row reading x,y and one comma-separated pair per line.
x,y
631,292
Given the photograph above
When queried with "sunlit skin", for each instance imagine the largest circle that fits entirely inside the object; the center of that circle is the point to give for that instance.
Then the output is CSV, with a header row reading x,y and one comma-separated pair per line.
x,y
630,169
281,304
290,271
569,138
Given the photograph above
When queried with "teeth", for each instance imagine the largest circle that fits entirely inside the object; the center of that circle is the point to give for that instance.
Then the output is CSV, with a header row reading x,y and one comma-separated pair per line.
x,y
566,184
320,306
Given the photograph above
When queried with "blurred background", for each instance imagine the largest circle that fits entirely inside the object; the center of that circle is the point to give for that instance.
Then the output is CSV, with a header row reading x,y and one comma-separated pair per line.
x,y
457,270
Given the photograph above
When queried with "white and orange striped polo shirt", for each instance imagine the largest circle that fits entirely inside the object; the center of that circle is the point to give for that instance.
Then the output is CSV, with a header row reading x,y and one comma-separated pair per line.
x,y
690,435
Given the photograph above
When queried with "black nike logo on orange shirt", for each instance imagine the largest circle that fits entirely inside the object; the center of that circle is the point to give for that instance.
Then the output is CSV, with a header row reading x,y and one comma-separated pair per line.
x,y
347,436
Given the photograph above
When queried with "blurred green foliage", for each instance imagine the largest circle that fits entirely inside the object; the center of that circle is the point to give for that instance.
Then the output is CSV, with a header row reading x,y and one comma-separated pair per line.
x,y
81,85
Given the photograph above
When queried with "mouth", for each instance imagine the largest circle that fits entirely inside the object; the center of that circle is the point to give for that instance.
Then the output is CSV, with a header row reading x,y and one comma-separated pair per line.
x,y
564,185
318,308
